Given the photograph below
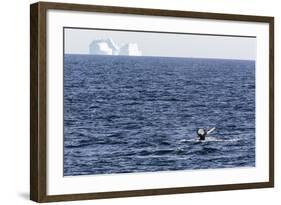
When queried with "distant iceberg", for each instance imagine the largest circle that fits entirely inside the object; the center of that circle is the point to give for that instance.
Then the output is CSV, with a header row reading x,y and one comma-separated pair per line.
x,y
130,49
109,47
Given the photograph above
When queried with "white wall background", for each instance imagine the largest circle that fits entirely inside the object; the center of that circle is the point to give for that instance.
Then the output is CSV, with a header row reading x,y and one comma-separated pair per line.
x,y
14,101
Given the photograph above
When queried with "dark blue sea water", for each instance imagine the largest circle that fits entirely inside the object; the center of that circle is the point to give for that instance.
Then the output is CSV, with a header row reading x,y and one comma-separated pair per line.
x,y
140,114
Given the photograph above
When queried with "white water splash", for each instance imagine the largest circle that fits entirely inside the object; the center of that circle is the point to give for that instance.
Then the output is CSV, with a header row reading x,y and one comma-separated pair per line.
x,y
210,139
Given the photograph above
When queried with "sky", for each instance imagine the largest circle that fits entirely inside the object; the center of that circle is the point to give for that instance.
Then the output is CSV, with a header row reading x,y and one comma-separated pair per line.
x,y
77,41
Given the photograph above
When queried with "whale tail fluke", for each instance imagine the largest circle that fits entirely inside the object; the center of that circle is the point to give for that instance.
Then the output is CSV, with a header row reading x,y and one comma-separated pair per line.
x,y
210,130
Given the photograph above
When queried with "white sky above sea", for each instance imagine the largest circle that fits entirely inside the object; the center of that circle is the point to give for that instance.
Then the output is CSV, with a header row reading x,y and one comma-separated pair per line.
x,y
77,41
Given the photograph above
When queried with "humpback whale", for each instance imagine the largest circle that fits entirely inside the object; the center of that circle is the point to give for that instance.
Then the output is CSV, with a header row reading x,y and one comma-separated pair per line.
x,y
202,133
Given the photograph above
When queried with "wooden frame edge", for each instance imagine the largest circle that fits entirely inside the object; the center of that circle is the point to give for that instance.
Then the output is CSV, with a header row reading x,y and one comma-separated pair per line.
x,y
37,102
153,12
155,192
34,191
38,83
271,101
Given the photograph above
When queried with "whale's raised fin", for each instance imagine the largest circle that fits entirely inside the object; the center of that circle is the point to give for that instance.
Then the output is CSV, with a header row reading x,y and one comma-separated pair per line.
x,y
210,130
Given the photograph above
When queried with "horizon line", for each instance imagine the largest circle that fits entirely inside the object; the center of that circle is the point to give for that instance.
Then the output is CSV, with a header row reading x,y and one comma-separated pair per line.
x,y
211,58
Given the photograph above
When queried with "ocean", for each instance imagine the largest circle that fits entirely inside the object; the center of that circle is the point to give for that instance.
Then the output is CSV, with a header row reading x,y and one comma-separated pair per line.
x,y
125,114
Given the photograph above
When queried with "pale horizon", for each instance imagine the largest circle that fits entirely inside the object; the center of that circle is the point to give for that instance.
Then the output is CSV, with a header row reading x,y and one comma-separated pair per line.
x,y
154,44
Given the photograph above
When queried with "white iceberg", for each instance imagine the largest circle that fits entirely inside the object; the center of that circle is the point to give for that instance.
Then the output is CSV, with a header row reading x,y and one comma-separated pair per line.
x,y
130,49
103,47
109,47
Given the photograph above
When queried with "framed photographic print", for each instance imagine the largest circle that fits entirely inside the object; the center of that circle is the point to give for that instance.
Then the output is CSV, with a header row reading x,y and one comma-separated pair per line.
x,y
134,102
